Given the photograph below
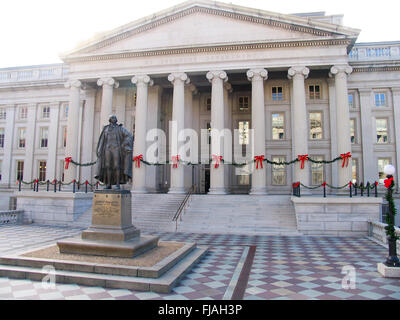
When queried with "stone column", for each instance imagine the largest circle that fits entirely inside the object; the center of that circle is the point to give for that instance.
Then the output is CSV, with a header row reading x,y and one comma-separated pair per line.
x,y
396,113
142,83
88,135
228,145
8,146
178,119
257,77
31,144
342,120
368,138
108,85
217,175
71,149
300,131
52,145
333,130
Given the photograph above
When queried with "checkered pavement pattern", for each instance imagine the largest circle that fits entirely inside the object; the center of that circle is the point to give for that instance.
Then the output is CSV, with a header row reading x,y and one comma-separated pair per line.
x,y
295,268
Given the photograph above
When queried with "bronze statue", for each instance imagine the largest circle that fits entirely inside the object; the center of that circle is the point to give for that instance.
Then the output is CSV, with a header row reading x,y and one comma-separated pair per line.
x,y
114,155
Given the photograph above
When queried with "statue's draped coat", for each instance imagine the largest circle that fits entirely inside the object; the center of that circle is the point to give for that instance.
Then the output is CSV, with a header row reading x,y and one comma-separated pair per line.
x,y
125,140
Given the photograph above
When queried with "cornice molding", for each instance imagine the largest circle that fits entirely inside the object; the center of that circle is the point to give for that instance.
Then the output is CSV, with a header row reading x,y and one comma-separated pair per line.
x,y
206,49
376,69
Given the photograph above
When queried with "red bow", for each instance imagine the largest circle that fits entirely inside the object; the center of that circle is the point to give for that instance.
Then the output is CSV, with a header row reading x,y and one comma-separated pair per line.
x,y
302,158
324,184
350,184
175,160
86,182
67,161
217,159
137,160
54,181
345,157
259,160
388,182
296,184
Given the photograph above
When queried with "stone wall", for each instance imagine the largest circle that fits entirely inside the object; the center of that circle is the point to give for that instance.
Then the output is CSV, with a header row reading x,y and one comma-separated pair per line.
x,y
51,208
338,216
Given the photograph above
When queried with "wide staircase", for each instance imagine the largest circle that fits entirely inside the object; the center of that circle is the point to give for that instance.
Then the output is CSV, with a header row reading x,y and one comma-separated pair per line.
x,y
154,212
239,214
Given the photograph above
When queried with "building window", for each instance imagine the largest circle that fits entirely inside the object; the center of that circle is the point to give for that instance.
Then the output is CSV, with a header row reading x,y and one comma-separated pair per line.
x,y
380,99
134,99
208,104
278,171
66,109
354,170
243,175
1,169
277,93
244,103
351,100
278,130
352,131
3,114
244,132
1,137
314,92
23,112
382,162
64,137
20,170
315,125
42,170
46,112
21,137
44,137
381,131
317,171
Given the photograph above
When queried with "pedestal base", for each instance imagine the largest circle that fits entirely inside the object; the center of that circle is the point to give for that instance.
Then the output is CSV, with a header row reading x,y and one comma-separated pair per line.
x,y
126,249
388,272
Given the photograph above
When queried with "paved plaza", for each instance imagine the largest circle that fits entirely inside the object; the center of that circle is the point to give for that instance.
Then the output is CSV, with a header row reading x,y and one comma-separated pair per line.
x,y
236,267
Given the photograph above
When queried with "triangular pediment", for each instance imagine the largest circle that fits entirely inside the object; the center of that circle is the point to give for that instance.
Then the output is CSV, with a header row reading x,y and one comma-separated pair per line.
x,y
204,23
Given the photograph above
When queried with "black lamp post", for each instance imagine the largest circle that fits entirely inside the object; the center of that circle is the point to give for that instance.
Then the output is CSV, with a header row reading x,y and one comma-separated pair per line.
x,y
392,260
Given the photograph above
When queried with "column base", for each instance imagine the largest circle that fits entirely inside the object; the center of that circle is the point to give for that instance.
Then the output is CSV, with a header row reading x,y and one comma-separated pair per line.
x,y
258,191
139,190
218,190
177,190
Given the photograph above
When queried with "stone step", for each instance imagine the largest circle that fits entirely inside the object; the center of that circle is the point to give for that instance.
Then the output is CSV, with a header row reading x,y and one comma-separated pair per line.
x,y
163,284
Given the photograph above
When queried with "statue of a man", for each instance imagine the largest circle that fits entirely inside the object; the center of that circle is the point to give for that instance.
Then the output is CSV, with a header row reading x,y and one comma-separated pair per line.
x,y
114,155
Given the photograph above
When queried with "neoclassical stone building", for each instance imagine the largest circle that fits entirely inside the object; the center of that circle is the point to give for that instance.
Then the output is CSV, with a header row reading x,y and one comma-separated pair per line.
x,y
301,82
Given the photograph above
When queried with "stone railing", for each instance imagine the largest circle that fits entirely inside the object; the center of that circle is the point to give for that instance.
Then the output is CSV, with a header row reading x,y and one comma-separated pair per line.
x,y
11,216
375,52
376,230
34,73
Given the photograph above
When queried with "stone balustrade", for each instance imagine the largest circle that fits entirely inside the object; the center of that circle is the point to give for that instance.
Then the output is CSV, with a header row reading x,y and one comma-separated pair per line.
x,y
11,216
364,52
376,230
34,73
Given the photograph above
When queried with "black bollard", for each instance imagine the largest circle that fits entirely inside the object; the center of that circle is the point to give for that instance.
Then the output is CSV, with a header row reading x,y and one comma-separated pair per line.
x,y
362,189
86,184
73,186
368,185
37,185
47,185
55,185
351,191
376,189
19,185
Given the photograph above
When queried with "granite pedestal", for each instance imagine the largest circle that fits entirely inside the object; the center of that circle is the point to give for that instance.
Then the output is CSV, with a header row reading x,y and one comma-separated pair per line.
x,y
111,233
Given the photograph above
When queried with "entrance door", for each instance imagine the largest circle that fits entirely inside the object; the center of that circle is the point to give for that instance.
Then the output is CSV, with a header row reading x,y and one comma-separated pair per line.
x,y
207,178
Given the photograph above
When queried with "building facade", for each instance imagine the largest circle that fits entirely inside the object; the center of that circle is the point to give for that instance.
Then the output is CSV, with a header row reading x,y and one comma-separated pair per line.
x,y
300,82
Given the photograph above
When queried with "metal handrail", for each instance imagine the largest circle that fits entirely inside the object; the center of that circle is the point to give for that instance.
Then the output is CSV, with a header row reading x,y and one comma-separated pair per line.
x,y
178,214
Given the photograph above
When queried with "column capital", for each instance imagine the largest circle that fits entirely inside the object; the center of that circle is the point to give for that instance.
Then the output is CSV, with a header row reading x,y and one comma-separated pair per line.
x,y
73,84
142,79
395,90
298,70
365,91
217,74
257,74
228,87
193,89
180,77
340,69
108,82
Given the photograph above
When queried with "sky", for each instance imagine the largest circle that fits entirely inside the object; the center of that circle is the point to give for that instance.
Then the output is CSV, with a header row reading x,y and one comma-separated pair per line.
x,y
37,31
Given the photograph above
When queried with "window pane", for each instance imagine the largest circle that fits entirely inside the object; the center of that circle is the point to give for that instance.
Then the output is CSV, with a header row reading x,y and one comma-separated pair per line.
x,y
317,171
278,131
351,100
315,125
354,170
21,137
381,131
1,137
244,132
352,130
42,171
277,93
382,162
278,171
243,175
244,103
20,170
380,99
